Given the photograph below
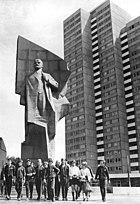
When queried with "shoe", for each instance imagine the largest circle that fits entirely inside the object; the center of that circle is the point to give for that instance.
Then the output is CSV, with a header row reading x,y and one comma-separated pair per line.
x,y
66,199
45,199
53,200
63,199
27,199
38,198
84,199
18,199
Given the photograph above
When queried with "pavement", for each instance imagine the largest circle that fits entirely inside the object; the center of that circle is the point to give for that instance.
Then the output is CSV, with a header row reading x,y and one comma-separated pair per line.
x,y
94,199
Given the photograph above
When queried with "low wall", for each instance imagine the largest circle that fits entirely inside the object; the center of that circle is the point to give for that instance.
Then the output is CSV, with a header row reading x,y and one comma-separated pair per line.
x,y
126,190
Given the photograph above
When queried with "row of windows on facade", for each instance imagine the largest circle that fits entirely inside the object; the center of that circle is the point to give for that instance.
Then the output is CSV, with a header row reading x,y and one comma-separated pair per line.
x,y
76,132
77,154
100,17
74,126
75,147
75,85
75,77
72,37
74,42
80,117
74,140
73,23
106,19
72,49
109,145
72,31
97,12
78,104
115,152
72,19
75,65
76,111
103,28
75,98
75,91
103,59
75,52
108,137
133,26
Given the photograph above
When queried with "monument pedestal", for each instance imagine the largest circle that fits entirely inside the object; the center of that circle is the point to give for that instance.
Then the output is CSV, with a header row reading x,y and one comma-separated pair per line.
x,y
35,145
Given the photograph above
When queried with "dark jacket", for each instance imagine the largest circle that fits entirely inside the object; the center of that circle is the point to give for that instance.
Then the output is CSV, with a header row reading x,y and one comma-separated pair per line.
x,y
20,172
30,172
102,173
51,172
39,172
9,171
64,171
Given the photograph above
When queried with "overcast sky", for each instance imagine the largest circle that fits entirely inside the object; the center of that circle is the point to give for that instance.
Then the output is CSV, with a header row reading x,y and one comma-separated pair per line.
x,y
40,21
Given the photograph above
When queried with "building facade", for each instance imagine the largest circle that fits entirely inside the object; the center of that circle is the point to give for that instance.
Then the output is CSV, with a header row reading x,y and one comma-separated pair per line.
x,y
110,98
80,123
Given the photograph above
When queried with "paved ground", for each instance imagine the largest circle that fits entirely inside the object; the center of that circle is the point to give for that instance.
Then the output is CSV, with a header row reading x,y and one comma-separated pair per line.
x,y
94,199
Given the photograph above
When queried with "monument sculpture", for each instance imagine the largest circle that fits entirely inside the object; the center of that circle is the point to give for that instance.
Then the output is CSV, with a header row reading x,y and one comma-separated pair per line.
x,y
41,81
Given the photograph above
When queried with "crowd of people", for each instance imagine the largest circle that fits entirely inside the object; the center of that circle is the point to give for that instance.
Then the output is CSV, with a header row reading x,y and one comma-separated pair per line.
x,y
50,179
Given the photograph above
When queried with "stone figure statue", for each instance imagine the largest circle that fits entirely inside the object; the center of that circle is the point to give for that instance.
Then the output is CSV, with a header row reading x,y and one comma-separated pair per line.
x,y
45,103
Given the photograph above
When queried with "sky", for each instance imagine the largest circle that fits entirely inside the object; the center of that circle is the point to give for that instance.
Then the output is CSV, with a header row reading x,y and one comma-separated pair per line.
x,y
40,21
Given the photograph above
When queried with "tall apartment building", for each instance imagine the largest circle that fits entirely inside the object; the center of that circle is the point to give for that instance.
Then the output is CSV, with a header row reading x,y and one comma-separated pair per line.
x,y
80,124
130,47
101,93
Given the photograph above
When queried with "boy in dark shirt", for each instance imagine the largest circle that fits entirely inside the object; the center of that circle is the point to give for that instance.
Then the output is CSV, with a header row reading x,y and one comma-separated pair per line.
x,y
30,173
20,179
102,174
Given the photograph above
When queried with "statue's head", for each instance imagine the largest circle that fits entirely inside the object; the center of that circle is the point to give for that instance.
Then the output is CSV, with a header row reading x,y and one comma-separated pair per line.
x,y
38,64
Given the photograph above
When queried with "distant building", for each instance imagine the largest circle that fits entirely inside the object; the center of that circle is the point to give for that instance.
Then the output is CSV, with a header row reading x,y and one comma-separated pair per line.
x,y
2,153
102,50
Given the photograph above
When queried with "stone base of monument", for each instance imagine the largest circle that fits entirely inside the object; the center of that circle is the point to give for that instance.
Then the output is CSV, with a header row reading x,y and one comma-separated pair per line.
x,y
37,144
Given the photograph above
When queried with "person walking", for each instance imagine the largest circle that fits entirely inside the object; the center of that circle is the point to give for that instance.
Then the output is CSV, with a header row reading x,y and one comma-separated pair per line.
x,y
74,174
20,179
85,177
64,179
51,173
8,176
57,182
103,175
45,164
39,177
29,183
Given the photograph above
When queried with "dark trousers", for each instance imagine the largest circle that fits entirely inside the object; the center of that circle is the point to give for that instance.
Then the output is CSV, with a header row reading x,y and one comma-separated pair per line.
x,y
38,183
19,187
51,188
57,187
64,185
102,183
8,185
29,187
45,189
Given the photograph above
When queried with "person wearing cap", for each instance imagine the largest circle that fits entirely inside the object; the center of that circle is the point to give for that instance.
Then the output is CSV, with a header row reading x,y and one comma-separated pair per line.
x,y
20,179
50,175
45,165
64,178
103,175
85,177
74,174
8,176
39,177
30,173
